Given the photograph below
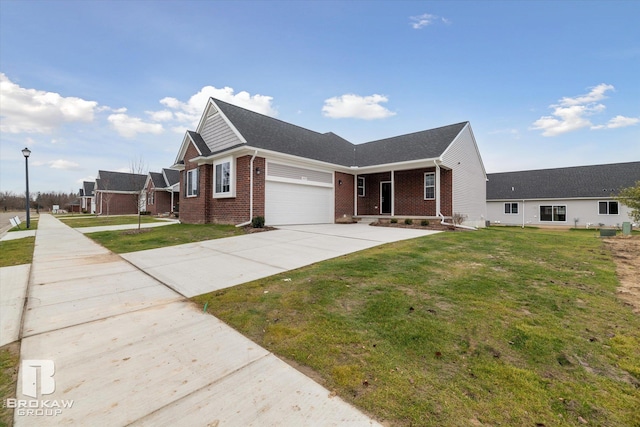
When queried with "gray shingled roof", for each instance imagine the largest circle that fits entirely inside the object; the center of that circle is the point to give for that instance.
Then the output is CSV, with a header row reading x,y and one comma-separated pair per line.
x,y
202,146
268,133
87,188
173,176
157,179
428,144
563,183
120,181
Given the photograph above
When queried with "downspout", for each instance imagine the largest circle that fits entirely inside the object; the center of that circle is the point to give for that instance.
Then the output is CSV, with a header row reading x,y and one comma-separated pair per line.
x,y
437,183
522,213
250,191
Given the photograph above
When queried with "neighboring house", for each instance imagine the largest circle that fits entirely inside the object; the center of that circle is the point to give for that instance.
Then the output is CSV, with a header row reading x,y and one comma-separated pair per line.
x,y
239,164
580,196
162,192
118,193
87,198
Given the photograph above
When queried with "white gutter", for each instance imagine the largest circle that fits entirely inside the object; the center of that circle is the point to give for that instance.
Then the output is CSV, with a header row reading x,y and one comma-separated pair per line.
x,y
250,191
466,227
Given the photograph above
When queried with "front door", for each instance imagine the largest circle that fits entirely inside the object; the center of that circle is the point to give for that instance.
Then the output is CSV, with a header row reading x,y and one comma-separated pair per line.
x,y
385,198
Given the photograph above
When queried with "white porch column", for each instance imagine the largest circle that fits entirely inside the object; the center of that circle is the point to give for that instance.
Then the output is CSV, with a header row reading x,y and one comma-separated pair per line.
x,y
393,193
355,196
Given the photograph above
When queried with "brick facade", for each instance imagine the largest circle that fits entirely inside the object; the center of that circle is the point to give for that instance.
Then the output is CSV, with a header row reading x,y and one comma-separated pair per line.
x,y
344,194
205,209
408,195
159,201
117,204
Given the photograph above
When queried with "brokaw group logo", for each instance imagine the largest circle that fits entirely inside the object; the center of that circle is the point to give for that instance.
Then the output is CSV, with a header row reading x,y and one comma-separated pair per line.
x,y
31,371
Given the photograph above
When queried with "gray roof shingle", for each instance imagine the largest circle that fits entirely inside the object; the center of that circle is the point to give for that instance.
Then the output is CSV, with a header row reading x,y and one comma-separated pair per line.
x,y
268,133
563,183
120,181
172,176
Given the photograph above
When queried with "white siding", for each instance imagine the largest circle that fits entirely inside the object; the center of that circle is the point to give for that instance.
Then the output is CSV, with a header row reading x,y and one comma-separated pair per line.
x,y
277,170
469,178
586,211
217,134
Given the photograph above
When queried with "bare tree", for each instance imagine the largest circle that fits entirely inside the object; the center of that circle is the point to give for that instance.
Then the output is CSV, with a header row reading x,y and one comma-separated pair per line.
x,y
139,167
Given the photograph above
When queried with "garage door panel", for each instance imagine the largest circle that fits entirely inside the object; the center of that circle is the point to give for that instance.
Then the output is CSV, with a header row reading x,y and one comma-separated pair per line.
x,y
288,203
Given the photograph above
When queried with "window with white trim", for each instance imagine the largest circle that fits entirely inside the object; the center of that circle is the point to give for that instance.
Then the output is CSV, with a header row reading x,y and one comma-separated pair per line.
x,y
608,208
553,213
222,178
361,186
191,183
511,208
429,185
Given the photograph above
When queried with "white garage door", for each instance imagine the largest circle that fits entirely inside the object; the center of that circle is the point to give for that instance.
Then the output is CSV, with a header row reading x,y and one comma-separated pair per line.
x,y
288,204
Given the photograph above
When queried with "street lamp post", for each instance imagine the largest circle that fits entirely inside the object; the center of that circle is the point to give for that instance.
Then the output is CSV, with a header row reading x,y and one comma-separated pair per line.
x,y
26,153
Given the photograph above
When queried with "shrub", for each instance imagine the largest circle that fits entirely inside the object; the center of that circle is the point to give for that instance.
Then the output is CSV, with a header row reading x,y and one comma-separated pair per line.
x,y
394,221
257,222
424,222
408,221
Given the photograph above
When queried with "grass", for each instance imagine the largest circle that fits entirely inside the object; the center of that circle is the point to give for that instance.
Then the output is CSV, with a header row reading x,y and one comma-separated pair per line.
x,y
9,356
158,237
16,252
495,327
99,221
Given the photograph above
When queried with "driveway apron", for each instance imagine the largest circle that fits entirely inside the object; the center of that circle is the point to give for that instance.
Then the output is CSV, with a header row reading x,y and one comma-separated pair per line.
x,y
127,350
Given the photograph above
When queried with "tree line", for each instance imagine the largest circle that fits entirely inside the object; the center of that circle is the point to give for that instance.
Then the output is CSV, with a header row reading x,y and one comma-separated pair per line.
x,y
10,201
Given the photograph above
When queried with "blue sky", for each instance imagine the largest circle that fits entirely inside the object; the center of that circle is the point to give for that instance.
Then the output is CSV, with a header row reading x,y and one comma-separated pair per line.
x,y
91,85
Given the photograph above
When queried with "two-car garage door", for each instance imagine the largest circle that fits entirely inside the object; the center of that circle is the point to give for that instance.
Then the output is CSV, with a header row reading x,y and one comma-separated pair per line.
x,y
295,195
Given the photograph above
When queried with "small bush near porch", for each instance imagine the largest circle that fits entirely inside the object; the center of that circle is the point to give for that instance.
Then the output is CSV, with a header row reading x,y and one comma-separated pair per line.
x,y
502,326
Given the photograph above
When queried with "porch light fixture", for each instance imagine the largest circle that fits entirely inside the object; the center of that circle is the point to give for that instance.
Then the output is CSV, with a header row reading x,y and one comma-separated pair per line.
x,y
26,153
339,182
258,171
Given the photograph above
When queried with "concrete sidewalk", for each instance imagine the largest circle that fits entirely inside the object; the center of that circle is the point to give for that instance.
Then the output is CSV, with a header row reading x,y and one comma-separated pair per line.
x,y
129,350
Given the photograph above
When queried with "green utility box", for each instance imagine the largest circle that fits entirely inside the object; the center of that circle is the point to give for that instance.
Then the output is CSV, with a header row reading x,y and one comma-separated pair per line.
x,y
626,228
607,232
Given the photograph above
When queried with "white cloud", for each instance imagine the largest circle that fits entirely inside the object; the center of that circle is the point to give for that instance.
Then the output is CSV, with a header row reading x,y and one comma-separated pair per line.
x,y
355,106
130,127
572,114
619,122
420,21
63,164
37,111
189,112
160,116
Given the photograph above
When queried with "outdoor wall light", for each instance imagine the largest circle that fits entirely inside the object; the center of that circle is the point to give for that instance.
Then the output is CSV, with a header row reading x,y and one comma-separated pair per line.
x,y
257,171
339,182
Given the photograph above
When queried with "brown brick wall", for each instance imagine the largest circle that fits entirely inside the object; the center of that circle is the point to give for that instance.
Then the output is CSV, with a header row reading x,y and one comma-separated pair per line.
x,y
193,210
409,193
205,209
344,194
117,204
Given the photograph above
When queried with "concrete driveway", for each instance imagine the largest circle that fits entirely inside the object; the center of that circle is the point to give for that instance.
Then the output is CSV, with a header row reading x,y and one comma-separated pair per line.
x,y
116,347
197,268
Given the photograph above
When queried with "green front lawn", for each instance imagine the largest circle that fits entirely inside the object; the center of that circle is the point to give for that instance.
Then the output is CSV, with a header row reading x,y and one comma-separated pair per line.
x,y
16,252
158,237
100,221
496,327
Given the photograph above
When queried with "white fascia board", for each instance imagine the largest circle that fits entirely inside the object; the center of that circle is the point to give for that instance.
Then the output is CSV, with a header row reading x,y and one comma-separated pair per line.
x,y
538,199
407,165
117,192
183,148
178,166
